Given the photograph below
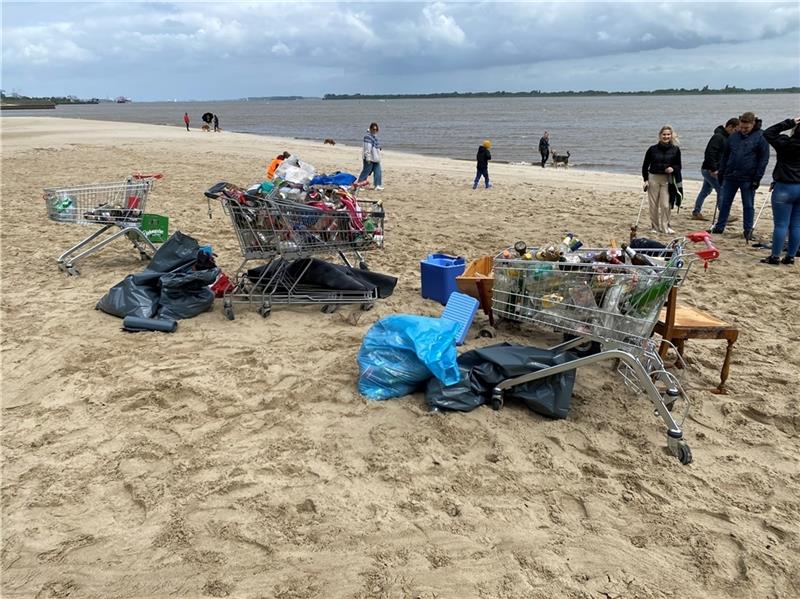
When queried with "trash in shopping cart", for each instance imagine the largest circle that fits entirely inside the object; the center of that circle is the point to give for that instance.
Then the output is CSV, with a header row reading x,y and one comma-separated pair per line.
x,y
605,296
276,232
119,205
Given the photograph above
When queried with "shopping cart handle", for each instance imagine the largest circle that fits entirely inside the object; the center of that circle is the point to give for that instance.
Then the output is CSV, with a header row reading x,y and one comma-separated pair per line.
x,y
708,254
148,175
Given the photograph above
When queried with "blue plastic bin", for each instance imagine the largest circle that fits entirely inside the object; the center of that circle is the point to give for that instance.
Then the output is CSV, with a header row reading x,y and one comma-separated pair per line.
x,y
439,272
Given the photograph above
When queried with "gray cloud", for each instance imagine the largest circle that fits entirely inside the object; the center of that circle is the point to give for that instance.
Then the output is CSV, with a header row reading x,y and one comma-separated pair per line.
x,y
312,48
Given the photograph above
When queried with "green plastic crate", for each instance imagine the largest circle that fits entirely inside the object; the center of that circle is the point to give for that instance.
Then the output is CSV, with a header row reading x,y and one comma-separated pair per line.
x,y
155,227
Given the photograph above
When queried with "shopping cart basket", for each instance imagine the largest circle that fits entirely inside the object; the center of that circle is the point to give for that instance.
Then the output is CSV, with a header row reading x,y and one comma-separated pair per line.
x,y
613,307
111,206
278,233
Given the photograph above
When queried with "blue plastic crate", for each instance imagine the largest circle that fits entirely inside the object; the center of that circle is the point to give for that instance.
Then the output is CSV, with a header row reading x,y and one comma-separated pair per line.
x,y
439,272
461,308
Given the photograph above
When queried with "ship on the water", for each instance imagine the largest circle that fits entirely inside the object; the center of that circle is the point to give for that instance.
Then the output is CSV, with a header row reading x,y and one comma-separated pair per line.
x,y
122,100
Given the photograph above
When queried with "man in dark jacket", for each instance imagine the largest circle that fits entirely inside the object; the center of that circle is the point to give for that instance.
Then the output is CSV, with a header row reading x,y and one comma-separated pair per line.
x,y
714,151
741,168
544,147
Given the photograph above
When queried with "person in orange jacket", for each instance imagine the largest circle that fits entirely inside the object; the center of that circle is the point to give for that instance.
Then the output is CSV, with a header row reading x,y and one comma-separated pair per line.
x,y
276,162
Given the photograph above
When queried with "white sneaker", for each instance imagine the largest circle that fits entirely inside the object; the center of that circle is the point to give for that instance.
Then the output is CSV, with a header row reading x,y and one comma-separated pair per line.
x,y
654,230
379,188
670,231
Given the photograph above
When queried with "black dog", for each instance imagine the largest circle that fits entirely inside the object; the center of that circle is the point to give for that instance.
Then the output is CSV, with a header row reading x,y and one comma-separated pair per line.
x,y
561,159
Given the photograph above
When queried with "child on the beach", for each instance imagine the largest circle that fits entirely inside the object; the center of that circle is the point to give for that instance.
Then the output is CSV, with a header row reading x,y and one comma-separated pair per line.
x,y
483,157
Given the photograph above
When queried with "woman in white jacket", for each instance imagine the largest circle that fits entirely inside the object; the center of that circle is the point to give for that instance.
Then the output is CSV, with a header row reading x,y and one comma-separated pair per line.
x,y
371,155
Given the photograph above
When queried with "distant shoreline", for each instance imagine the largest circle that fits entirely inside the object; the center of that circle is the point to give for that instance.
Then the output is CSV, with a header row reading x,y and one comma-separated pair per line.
x,y
568,94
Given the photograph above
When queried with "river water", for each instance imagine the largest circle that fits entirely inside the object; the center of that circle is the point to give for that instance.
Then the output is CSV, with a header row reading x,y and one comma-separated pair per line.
x,y
601,133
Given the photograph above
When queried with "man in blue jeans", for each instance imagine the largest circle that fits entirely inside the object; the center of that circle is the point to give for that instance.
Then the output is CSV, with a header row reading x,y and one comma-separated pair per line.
x,y
741,168
711,158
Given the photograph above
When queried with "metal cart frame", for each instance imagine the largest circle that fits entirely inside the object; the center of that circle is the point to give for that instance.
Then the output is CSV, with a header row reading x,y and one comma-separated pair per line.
x,y
119,205
612,307
277,232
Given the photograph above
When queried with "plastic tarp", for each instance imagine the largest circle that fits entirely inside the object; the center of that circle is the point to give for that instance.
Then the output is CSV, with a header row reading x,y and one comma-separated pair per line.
x,y
483,369
342,179
175,292
401,352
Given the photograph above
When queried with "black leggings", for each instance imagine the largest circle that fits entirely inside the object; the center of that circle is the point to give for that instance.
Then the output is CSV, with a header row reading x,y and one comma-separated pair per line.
x,y
544,157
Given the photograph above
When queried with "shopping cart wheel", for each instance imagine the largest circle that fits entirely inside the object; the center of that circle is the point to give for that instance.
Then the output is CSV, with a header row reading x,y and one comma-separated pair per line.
x,y
228,312
265,311
589,348
497,400
72,271
62,267
487,332
363,265
367,306
680,449
329,308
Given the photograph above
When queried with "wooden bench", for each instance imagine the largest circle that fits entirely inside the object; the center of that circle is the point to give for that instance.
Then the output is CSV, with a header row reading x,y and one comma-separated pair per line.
x,y
678,323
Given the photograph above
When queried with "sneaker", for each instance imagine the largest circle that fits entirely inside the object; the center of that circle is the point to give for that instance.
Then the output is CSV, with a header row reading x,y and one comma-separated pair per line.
x,y
489,186
715,231
786,260
654,230
669,231
748,234
698,216
379,188
474,187
771,260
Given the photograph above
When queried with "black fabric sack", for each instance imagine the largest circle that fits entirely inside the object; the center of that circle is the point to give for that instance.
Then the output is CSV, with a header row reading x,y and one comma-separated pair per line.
x,y
325,275
489,366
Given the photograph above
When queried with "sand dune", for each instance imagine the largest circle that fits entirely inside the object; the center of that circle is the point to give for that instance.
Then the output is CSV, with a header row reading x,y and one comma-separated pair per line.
x,y
237,458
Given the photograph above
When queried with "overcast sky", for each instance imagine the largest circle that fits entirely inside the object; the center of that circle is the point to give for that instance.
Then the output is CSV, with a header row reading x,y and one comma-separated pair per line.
x,y
220,50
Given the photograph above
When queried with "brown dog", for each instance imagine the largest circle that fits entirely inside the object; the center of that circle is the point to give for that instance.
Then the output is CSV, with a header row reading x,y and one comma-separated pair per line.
x,y
206,128
329,142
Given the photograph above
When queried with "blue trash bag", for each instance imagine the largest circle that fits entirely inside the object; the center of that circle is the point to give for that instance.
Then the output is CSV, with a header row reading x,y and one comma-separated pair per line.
x,y
401,352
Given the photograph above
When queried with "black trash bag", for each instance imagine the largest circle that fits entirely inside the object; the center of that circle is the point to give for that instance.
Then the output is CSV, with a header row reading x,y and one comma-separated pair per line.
x,y
178,252
489,366
186,294
324,275
461,397
136,295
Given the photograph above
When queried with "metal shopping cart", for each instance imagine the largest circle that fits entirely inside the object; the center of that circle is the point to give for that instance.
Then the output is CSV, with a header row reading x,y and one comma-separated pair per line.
x,y
284,235
612,308
117,205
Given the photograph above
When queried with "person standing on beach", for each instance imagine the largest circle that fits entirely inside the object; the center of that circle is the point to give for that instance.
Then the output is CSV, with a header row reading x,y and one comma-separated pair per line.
x,y
186,120
216,123
711,158
371,155
483,158
786,191
742,165
544,147
661,167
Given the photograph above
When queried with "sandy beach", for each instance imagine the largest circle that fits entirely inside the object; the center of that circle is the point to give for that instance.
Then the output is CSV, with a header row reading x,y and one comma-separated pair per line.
x,y
237,459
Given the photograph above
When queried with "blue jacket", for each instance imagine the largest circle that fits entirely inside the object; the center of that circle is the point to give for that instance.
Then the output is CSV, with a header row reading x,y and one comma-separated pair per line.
x,y
745,157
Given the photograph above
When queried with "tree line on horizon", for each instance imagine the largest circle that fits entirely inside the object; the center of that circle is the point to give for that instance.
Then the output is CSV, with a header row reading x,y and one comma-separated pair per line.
x,y
706,90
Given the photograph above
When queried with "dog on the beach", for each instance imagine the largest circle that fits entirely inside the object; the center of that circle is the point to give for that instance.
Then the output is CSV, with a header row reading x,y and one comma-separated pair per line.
x,y
561,159
206,128
328,141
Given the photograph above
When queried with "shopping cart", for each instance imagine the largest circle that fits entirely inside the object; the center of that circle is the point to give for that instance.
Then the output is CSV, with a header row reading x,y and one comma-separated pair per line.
x,y
611,308
282,234
111,206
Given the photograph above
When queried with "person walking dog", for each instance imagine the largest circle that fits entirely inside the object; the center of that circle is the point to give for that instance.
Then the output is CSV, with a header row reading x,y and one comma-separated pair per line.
x,y
483,157
544,147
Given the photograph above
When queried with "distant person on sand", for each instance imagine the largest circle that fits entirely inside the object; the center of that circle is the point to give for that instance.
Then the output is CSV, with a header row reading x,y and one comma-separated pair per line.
x,y
660,169
216,123
544,147
786,193
371,155
276,162
741,168
483,158
186,120
713,154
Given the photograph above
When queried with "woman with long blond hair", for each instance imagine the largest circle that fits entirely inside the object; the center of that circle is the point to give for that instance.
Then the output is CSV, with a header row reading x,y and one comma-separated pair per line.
x,y
661,166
